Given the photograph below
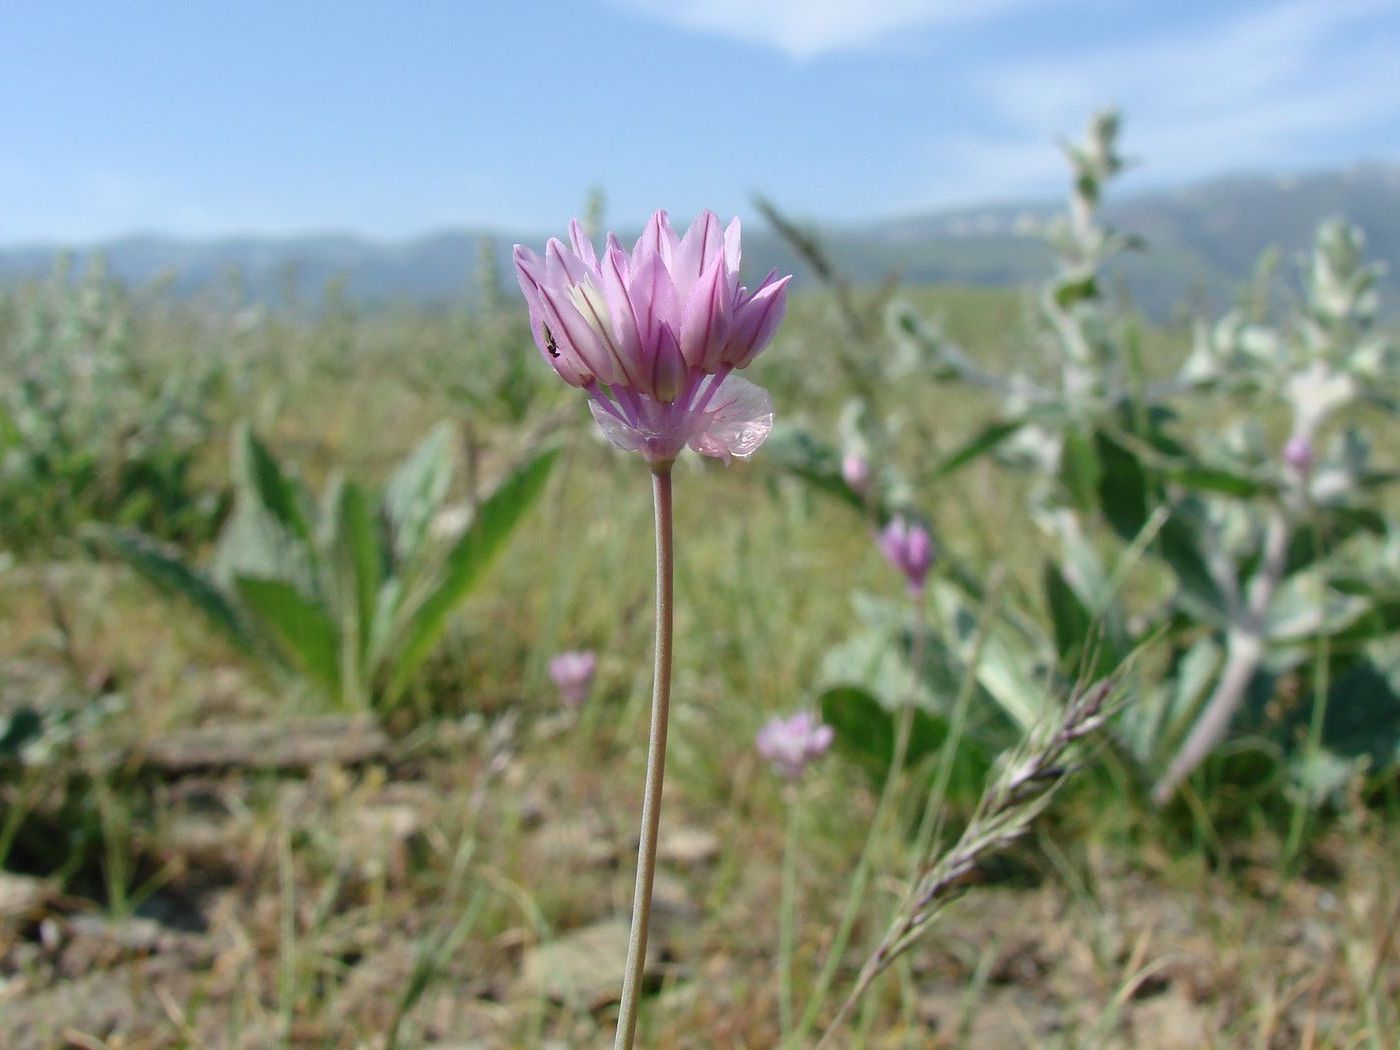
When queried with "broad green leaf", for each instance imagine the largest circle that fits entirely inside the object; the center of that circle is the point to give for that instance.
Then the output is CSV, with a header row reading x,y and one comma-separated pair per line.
x,y
1007,669
984,441
465,562
172,575
1334,527
361,548
865,731
415,492
1067,293
1072,621
299,626
255,543
261,478
1302,607
384,621
1123,487
1178,545
1080,469
1218,479
1363,714
18,729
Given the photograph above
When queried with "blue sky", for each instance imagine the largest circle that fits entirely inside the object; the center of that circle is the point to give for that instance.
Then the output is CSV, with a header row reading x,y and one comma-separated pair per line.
x,y
395,119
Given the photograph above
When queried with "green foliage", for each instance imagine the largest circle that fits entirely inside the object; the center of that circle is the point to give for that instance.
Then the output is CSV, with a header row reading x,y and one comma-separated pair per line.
x,y
352,594
1252,563
866,731
93,426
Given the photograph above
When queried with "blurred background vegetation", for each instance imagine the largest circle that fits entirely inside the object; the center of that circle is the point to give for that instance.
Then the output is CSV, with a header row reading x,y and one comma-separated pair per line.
x,y
283,572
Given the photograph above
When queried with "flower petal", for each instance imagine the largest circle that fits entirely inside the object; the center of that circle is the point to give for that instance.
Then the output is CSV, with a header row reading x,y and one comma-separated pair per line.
x,y
706,318
737,421
699,248
546,323
731,248
583,247
755,321
617,431
561,266
657,239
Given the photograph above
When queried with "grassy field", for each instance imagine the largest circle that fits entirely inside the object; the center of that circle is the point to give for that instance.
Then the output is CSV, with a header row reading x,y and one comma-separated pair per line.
x,y
460,873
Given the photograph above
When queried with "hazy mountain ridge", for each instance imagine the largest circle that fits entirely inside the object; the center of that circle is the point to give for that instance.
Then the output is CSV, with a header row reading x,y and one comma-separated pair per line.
x,y
1203,240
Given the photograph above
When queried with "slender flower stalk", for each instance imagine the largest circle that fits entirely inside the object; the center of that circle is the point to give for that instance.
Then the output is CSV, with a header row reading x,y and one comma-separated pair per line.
x,y
790,745
787,910
654,337
656,762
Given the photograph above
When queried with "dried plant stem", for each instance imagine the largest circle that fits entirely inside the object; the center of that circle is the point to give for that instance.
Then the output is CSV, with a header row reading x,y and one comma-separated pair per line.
x,y
656,762
1021,790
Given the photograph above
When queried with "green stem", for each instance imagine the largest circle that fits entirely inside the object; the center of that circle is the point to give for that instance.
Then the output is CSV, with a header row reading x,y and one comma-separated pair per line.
x,y
787,917
656,762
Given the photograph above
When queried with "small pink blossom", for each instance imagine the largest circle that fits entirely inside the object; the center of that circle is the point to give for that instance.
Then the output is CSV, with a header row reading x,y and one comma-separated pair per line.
x,y
653,335
573,673
791,744
855,471
1299,456
908,546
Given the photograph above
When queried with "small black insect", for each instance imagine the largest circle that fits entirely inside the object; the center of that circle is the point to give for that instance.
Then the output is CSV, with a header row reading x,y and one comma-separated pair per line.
x,y
549,343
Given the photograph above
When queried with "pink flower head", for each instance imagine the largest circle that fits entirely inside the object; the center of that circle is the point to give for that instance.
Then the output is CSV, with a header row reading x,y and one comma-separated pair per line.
x,y
855,472
908,546
573,674
652,336
1298,455
791,744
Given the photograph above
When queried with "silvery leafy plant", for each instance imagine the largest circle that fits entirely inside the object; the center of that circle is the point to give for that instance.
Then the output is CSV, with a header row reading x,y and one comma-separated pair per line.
x,y
1245,479
93,424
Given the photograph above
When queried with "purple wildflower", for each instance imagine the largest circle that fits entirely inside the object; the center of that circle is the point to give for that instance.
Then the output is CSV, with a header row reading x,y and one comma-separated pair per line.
x,y
573,674
855,471
908,546
653,336
791,744
1298,455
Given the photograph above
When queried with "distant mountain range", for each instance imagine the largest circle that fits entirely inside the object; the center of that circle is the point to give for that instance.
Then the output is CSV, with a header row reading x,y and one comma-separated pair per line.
x,y
1202,242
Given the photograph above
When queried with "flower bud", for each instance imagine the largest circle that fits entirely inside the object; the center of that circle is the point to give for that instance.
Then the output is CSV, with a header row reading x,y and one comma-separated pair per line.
x,y
792,744
908,546
1298,456
855,471
573,674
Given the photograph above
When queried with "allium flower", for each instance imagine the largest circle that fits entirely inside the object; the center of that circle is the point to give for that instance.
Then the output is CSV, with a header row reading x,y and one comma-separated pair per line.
x,y
1298,455
791,744
573,674
909,548
653,336
855,471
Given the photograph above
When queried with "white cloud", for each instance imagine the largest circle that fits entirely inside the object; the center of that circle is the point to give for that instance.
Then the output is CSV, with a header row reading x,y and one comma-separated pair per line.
x,y
1259,90
807,28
